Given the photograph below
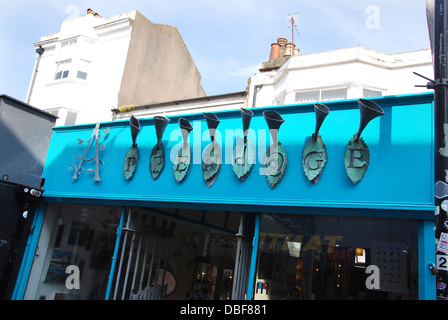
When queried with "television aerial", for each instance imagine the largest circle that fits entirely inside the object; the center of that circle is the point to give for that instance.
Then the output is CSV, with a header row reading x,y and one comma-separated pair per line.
x,y
291,22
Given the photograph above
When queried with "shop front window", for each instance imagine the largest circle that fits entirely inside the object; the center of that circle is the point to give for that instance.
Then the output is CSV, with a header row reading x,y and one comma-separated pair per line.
x,y
326,258
162,254
74,252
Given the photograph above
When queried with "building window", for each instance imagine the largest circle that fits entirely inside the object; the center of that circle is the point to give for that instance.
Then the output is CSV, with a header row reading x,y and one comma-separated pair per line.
x,y
83,67
70,119
367,93
321,95
82,75
62,69
307,96
68,43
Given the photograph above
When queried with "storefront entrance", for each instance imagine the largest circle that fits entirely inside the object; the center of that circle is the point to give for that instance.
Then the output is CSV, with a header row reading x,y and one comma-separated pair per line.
x,y
156,254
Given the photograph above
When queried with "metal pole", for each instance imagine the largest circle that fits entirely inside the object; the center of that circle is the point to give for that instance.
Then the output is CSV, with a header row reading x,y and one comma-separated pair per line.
x,y
115,256
253,261
440,86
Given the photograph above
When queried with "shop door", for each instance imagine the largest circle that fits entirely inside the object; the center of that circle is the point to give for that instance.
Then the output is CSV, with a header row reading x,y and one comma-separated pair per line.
x,y
142,264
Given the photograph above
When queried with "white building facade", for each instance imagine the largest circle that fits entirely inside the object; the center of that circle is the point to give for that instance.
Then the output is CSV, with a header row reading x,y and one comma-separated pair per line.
x,y
348,73
91,66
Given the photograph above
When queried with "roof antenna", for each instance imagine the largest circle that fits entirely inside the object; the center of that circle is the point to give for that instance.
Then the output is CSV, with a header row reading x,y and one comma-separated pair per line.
x,y
291,22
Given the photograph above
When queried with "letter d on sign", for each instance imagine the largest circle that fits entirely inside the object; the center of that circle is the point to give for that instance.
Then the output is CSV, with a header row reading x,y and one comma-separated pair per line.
x,y
373,281
72,281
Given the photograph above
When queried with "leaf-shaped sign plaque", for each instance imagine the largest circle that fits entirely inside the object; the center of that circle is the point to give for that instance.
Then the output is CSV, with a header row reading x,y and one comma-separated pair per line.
x,y
243,159
314,158
130,162
157,161
182,162
356,159
211,163
275,164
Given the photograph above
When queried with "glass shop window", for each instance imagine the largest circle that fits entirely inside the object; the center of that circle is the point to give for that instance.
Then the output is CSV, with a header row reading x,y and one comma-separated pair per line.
x,y
176,254
74,253
328,258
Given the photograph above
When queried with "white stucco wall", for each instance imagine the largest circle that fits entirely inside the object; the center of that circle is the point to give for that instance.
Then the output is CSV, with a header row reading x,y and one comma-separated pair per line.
x,y
354,68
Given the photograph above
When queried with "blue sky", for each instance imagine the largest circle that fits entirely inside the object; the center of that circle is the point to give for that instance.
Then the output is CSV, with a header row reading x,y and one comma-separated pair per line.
x,y
228,39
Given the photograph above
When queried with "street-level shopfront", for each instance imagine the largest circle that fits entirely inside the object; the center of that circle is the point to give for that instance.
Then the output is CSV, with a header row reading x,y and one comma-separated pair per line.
x,y
135,214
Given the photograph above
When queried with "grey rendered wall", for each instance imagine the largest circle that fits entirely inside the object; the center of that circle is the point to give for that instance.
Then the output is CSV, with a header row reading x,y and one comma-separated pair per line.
x,y
158,67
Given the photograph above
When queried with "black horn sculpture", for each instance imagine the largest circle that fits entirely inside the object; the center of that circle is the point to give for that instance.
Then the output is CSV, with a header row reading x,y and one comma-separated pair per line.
x,y
212,159
244,153
275,159
130,161
157,159
182,159
314,155
357,156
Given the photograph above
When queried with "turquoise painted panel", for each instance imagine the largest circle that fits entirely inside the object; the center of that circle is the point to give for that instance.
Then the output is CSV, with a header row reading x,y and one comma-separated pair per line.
x,y
399,176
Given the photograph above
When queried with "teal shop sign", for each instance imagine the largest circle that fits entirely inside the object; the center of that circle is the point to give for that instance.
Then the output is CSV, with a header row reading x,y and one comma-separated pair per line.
x,y
314,156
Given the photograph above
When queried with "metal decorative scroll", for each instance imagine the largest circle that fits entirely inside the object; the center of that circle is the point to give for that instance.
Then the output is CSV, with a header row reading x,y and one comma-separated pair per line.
x,y
157,159
275,158
182,159
131,158
314,155
357,156
99,146
212,159
243,157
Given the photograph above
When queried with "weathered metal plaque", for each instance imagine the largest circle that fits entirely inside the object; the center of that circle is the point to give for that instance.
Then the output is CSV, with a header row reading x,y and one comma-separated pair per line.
x,y
182,162
356,159
211,163
131,158
130,162
275,162
157,161
314,158
243,159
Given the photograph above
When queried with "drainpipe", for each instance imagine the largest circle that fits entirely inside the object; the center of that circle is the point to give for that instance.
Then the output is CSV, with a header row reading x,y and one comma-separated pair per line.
x,y
39,52
256,89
